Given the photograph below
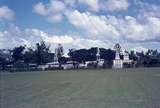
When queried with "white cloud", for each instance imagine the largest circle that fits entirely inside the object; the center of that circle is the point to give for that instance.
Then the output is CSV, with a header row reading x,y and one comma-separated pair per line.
x,y
135,30
94,26
93,29
88,43
10,37
14,36
154,25
93,4
70,3
40,9
1,39
56,6
147,9
139,49
56,18
107,5
53,11
132,29
69,41
6,13
115,5
51,39
59,39
116,29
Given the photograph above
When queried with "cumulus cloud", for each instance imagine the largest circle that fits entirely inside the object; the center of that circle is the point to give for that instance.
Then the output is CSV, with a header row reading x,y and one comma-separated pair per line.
x,y
94,26
14,36
6,13
114,28
10,37
139,49
147,9
1,39
59,39
134,30
88,43
54,10
154,23
92,4
40,9
115,5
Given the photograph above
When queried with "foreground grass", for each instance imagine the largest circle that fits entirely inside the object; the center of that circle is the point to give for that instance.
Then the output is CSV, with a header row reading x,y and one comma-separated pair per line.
x,y
127,88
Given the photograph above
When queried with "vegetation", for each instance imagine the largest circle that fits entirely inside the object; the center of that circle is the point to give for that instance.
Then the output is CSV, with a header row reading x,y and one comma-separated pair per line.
x,y
124,88
22,57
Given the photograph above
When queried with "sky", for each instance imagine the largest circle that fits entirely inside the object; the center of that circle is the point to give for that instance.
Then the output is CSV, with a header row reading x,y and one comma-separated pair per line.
x,y
135,24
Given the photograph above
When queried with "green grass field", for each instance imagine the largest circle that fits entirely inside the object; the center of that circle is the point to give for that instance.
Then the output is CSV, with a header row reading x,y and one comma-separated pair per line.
x,y
126,88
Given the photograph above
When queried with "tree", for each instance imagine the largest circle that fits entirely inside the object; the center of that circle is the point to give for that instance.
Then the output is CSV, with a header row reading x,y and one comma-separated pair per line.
x,y
108,55
18,53
30,56
80,56
5,58
2,63
42,53
133,56
153,59
149,59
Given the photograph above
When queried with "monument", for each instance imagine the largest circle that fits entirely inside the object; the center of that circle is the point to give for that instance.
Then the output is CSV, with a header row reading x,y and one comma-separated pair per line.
x,y
126,56
56,56
126,59
58,53
117,63
98,55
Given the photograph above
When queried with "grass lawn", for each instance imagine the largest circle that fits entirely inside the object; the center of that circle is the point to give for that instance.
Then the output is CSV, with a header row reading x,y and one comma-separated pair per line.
x,y
124,88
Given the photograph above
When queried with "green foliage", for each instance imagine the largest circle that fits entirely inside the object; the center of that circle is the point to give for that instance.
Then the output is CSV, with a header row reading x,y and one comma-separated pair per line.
x,y
18,53
42,53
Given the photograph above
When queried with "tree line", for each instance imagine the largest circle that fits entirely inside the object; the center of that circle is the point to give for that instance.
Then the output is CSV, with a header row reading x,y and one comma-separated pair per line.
x,y
41,54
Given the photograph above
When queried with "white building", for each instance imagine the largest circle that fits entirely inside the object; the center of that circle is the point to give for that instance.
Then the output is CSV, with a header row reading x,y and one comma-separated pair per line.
x,y
118,62
126,58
